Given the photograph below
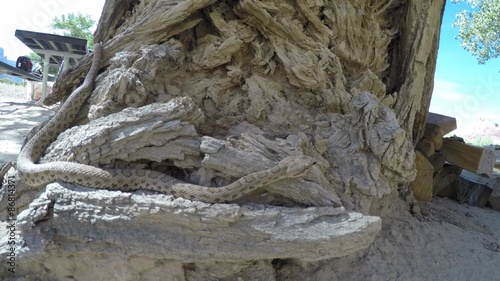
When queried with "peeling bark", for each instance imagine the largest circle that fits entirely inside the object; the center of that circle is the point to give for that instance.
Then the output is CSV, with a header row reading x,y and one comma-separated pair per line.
x,y
345,82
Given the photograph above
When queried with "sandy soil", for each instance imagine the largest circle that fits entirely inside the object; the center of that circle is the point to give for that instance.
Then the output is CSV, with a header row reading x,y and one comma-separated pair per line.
x,y
17,117
12,92
450,242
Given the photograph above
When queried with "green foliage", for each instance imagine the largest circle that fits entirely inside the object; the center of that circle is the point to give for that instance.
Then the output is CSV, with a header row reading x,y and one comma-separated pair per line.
x,y
38,61
79,26
10,82
480,141
35,59
479,29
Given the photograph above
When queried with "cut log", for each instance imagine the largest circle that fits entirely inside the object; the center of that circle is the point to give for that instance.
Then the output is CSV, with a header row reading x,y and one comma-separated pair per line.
x,y
426,147
496,150
475,159
450,191
435,128
435,134
492,183
474,189
437,160
422,185
494,199
443,181
446,123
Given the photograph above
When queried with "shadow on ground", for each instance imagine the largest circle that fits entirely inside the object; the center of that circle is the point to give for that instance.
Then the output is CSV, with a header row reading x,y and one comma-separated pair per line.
x,y
16,120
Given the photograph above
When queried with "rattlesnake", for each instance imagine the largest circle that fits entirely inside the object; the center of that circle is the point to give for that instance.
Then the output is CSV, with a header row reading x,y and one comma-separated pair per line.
x,y
128,180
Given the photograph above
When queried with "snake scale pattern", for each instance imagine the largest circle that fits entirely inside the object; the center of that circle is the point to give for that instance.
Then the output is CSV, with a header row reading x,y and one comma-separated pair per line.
x,y
36,175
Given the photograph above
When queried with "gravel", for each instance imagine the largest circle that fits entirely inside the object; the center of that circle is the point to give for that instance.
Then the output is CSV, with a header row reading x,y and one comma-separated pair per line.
x,y
13,98
10,92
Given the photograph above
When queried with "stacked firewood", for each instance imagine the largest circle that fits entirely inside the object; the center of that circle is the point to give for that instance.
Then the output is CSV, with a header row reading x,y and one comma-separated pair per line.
x,y
449,167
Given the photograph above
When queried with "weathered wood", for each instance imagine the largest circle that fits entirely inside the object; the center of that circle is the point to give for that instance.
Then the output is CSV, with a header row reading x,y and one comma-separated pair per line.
x,y
474,189
437,160
450,190
446,123
435,128
152,23
286,68
426,147
492,183
496,150
226,157
412,105
422,185
475,159
434,134
191,231
445,178
494,200
113,13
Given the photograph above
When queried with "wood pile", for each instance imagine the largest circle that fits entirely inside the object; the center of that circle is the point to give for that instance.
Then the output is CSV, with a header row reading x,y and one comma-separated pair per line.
x,y
449,167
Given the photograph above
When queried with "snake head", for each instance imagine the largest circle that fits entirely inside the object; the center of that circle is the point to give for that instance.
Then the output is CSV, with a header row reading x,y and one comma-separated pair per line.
x,y
296,166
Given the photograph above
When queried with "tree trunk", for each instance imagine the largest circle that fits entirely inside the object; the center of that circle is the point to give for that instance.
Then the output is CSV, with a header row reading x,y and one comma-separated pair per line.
x,y
347,83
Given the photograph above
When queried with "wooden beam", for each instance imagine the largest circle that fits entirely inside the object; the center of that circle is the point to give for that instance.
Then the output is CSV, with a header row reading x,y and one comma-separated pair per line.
x,y
446,123
475,159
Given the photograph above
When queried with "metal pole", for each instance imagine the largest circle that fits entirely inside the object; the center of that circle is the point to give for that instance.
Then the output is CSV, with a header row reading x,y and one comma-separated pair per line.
x,y
46,64
65,63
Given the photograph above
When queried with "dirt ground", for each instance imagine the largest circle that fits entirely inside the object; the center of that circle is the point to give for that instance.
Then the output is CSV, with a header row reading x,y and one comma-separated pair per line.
x,y
451,241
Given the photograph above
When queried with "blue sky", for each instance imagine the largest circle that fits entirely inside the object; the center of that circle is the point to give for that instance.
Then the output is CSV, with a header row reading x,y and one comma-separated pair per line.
x,y
463,88
36,15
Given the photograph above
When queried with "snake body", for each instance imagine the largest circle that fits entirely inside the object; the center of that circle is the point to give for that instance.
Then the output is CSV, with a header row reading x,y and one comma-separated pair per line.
x,y
35,175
